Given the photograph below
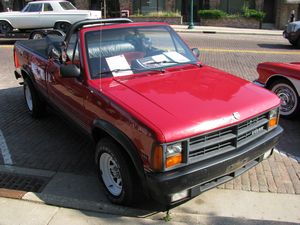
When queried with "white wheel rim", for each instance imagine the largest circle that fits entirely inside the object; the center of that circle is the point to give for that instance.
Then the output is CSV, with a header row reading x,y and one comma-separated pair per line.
x,y
37,36
28,97
288,97
111,174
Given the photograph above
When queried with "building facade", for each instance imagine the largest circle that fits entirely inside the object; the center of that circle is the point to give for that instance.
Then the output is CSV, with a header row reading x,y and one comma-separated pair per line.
x,y
277,11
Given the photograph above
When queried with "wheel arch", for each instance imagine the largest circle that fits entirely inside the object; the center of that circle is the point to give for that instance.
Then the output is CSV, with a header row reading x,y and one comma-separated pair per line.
x,y
102,128
6,20
26,74
276,77
62,21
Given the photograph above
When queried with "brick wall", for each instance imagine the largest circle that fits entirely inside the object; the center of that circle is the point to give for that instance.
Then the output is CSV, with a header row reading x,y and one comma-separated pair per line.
x,y
231,22
283,12
126,5
169,20
214,4
82,4
259,4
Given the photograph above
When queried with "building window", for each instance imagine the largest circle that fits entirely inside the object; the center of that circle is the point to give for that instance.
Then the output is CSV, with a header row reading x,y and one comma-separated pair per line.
x,y
148,6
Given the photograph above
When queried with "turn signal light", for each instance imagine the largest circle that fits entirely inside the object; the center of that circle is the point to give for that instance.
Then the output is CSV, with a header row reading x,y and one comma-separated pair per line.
x,y
157,158
273,122
173,160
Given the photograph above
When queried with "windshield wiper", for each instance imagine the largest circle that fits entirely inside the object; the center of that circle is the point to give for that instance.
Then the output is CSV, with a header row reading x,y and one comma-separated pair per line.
x,y
133,69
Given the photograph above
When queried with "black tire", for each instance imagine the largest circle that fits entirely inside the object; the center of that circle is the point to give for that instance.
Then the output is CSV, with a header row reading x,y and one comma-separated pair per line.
x,y
297,43
122,167
290,100
63,26
34,104
5,27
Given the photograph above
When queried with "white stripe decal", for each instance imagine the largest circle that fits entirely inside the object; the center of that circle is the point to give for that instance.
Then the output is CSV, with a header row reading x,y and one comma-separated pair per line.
x,y
4,150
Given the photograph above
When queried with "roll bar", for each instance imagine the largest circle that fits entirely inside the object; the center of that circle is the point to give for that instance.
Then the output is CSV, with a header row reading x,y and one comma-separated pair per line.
x,y
76,26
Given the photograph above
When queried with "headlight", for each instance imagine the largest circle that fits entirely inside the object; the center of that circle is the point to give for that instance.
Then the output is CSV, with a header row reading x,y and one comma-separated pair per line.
x,y
173,155
273,118
167,156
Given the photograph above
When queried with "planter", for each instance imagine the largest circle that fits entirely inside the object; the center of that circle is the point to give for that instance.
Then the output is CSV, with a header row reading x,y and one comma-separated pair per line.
x,y
240,22
170,20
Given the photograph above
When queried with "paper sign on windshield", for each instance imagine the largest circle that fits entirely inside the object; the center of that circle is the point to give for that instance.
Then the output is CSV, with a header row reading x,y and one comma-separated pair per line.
x,y
176,57
119,62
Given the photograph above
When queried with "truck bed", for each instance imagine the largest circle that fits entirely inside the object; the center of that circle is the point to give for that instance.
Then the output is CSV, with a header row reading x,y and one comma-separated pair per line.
x,y
41,46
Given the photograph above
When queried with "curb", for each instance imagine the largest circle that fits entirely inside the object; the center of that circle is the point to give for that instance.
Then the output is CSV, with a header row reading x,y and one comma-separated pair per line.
x,y
224,32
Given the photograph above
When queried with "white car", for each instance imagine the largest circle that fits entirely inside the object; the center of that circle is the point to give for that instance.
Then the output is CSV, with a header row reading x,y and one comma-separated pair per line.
x,y
45,14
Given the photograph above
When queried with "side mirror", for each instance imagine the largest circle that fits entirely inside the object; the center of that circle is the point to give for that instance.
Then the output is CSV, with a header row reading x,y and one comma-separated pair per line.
x,y
69,71
196,52
54,54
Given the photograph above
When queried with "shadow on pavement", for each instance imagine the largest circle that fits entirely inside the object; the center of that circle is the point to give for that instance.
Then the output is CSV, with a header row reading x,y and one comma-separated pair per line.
x,y
277,46
290,140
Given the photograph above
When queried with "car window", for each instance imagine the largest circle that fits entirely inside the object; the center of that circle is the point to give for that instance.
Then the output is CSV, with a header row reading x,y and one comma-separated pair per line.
x,y
35,8
67,5
125,51
47,7
72,50
26,8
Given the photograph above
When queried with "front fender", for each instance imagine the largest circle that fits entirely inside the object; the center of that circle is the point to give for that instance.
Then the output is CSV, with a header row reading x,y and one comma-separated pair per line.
x,y
126,143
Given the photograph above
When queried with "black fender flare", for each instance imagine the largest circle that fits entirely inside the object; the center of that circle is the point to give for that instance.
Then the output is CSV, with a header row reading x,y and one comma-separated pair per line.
x,y
126,143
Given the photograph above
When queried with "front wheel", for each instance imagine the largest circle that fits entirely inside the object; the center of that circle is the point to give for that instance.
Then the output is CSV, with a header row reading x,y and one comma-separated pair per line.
x,y
5,27
290,107
115,172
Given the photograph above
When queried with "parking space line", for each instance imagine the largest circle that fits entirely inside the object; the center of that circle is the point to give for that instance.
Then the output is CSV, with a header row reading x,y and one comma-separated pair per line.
x,y
4,150
250,51
6,46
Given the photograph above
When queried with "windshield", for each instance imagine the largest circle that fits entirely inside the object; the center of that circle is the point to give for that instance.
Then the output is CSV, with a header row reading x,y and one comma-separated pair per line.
x,y
125,51
67,5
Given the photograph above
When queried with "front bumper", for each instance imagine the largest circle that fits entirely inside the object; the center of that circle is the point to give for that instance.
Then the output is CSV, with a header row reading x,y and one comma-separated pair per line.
x,y
291,36
202,176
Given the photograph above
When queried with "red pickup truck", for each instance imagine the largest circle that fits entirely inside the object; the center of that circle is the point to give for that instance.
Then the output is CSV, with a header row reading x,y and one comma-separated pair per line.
x,y
164,124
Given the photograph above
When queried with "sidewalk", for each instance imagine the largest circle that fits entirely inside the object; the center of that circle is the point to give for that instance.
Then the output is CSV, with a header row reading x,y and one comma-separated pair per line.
x,y
212,208
90,206
226,30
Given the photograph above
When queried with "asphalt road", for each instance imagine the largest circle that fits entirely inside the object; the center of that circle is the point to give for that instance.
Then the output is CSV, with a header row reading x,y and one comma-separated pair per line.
x,y
53,144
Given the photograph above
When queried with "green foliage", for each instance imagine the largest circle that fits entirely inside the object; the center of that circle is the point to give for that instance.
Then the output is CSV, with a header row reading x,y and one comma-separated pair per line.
x,y
158,14
219,14
212,14
252,13
167,217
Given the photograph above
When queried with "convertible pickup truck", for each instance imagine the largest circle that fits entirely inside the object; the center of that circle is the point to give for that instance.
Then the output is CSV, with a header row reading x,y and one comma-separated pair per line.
x,y
165,125
45,14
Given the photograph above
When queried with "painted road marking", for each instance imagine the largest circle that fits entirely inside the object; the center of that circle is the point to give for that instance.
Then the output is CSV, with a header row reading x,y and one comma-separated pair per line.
x,y
250,51
4,150
6,46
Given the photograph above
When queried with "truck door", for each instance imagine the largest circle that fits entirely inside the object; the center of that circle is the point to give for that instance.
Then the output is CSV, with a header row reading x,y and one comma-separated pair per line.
x,y
68,94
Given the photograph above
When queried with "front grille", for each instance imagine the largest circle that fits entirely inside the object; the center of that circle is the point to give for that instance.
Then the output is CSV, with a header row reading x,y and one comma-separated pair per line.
x,y
228,139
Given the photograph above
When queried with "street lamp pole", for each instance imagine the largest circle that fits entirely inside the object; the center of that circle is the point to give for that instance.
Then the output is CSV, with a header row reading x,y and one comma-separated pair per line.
x,y
191,25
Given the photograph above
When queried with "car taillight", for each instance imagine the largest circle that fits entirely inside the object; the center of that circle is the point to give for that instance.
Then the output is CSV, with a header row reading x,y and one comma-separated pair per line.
x,y
16,60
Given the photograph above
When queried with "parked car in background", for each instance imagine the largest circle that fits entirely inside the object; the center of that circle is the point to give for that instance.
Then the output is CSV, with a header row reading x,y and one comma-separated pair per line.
x,y
292,33
45,14
284,80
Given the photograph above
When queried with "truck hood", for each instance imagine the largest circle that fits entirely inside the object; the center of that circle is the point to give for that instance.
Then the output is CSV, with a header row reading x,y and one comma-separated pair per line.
x,y
182,104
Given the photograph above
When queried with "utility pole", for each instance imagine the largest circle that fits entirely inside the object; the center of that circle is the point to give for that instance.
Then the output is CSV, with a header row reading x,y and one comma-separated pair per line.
x,y
191,25
104,8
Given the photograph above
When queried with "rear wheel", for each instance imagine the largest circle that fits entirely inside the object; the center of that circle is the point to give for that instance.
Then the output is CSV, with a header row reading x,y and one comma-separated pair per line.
x,y
5,27
290,101
116,172
35,106
37,35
